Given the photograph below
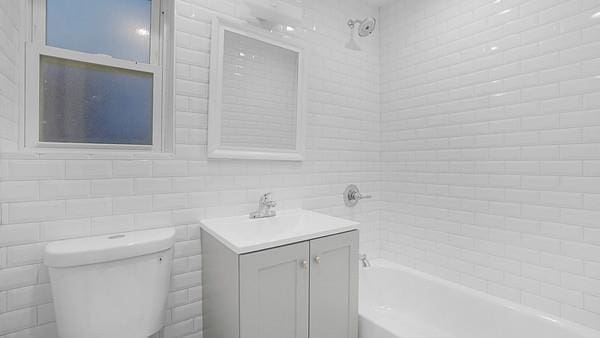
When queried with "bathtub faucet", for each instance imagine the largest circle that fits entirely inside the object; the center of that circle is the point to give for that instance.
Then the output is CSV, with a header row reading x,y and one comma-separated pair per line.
x,y
365,261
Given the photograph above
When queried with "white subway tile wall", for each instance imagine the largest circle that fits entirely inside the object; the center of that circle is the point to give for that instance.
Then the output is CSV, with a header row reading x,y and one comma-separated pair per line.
x,y
260,94
10,41
490,147
47,197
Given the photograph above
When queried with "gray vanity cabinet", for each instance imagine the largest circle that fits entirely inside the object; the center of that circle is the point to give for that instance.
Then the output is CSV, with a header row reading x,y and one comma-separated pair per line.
x,y
302,290
334,286
274,292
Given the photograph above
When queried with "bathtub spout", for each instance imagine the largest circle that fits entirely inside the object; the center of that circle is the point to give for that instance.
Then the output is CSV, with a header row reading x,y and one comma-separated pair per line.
x,y
365,261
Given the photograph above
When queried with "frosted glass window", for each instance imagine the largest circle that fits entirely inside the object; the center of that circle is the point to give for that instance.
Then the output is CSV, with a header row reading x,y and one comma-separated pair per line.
x,y
87,103
260,94
119,28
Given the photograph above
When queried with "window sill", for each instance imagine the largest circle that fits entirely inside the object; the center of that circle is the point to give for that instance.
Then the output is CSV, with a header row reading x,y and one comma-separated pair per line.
x,y
86,154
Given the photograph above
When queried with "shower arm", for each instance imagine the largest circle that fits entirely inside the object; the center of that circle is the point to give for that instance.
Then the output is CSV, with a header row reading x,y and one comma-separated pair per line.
x,y
352,23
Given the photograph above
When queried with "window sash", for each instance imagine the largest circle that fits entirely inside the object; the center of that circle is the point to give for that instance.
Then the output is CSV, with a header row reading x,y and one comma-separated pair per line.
x,y
36,47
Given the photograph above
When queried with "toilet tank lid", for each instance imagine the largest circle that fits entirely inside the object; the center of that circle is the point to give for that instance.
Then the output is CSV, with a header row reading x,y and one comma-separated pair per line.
x,y
100,249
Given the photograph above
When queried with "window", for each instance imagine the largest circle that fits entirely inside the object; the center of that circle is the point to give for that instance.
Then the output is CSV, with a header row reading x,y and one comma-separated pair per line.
x,y
99,74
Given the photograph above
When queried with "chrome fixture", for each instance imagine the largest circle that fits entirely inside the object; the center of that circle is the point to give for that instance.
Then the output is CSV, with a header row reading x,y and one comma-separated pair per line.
x,y
265,205
365,28
365,261
352,195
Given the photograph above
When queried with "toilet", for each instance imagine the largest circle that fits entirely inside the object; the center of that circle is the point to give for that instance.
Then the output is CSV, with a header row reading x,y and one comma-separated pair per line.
x,y
112,286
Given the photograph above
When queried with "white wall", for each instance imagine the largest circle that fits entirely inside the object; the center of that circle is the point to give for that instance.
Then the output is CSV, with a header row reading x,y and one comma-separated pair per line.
x,y
260,94
491,147
51,197
9,89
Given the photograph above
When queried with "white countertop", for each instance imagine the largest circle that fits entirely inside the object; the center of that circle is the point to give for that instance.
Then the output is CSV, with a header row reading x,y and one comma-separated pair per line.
x,y
242,234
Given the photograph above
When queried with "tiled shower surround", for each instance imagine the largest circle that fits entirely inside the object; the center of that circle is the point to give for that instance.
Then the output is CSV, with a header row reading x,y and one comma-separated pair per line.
x,y
475,123
491,147
52,197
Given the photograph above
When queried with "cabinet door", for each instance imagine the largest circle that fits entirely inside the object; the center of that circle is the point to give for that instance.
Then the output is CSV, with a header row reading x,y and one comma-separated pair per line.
x,y
334,286
274,292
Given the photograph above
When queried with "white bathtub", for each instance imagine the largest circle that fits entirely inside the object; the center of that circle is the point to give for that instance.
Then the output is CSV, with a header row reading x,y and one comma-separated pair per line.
x,y
396,301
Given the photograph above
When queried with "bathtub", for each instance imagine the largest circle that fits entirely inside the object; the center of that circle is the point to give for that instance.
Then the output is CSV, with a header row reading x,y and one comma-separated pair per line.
x,y
396,301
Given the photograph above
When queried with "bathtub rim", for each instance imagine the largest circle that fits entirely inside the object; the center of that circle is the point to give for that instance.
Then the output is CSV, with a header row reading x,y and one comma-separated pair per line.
x,y
577,328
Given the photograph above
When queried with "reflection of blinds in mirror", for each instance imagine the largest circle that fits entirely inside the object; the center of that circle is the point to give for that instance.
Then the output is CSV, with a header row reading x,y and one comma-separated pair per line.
x,y
260,92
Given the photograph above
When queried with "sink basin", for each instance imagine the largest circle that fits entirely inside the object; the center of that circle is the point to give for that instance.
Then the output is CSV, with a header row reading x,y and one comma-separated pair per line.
x,y
242,234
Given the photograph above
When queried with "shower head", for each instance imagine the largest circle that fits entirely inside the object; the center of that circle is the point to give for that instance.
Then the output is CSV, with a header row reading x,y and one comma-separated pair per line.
x,y
365,28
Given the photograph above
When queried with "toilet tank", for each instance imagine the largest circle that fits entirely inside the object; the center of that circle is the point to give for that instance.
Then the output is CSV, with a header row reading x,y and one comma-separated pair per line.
x,y
111,286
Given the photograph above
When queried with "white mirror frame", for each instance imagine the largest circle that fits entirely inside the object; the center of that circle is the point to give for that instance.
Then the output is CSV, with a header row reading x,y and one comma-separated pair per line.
x,y
215,147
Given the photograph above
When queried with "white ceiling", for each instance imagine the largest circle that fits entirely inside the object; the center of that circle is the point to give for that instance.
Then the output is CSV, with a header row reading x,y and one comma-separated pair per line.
x,y
379,3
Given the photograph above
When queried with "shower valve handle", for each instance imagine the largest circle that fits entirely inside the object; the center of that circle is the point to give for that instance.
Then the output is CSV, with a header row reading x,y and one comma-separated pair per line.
x,y
352,195
358,196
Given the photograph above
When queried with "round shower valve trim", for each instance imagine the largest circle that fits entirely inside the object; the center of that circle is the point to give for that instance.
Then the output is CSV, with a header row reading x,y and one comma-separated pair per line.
x,y
352,195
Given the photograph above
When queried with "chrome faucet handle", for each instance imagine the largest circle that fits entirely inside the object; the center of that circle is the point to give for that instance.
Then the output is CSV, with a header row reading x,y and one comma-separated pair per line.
x,y
352,195
267,200
359,196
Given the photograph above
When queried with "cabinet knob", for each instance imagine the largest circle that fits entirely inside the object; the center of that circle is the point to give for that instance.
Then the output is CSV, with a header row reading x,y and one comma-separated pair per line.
x,y
304,264
317,259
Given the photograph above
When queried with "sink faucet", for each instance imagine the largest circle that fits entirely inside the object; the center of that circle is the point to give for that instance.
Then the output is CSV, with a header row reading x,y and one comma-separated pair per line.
x,y
265,205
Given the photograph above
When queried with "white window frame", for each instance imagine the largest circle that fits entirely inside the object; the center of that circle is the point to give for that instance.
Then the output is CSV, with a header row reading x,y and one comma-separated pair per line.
x,y
160,66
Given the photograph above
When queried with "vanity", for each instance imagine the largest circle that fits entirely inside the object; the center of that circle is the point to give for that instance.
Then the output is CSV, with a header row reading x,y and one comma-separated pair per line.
x,y
294,275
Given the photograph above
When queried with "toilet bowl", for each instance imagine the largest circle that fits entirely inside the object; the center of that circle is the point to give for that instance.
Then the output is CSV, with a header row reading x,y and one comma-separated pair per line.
x,y
112,286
